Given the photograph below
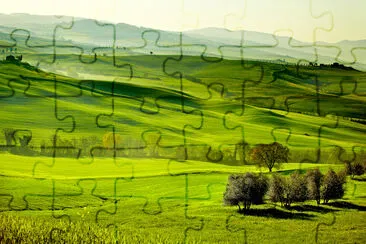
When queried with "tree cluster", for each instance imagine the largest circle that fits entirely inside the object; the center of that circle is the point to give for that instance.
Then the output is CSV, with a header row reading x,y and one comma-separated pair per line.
x,y
247,189
113,144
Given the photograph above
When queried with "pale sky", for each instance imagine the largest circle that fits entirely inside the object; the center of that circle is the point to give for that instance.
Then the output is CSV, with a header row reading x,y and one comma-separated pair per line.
x,y
344,19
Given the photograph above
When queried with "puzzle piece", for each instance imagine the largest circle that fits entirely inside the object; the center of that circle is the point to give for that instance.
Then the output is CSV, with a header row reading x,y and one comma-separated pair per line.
x,y
44,42
233,226
153,43
124,120
318,227
130,194
88,39
82,196
301,19
35,194
179,72
213,119
204,188
347,52
35,99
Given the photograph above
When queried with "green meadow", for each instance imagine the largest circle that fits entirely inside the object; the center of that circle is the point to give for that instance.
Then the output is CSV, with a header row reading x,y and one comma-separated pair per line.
x,y
173,206
140,151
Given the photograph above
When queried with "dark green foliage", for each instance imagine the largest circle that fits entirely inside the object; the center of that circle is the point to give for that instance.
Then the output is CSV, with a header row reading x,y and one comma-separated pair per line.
x,y
348,167
22,138
9,135
288,190
24,141
270,155
261,188
298,190
245,189
10,58
277,188
314,181
354,168
332,186
358,168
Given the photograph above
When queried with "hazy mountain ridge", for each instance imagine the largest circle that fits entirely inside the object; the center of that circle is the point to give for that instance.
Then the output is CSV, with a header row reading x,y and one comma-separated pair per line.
x,y
88,33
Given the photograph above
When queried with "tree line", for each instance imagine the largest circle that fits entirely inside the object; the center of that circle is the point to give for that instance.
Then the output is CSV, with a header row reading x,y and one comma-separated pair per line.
x,y
244,190
270,156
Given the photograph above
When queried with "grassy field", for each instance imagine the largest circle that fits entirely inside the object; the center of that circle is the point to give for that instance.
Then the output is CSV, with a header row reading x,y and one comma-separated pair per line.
x,y
167,205
105,161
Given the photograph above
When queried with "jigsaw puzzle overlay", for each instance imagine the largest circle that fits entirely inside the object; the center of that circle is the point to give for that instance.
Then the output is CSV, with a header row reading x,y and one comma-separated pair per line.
x,y
117,133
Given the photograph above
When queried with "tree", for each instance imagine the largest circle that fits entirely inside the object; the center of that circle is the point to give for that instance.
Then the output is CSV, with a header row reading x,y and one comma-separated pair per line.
x,y
277,189
314,182
246,190
348,168
298,191
288,190
354,168
9,135
332,186
270,155
358,168
10,58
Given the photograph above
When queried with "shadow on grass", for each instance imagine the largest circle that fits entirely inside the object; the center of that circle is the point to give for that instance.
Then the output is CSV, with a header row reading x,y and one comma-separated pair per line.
x,y
347,205
312,208
290,171
359,179
277,214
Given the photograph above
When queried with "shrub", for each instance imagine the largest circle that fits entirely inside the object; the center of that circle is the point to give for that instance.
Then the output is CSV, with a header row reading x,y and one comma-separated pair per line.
x,y
297,188
332,186
288,190
246,190
277,189
314,182
358,168
354,168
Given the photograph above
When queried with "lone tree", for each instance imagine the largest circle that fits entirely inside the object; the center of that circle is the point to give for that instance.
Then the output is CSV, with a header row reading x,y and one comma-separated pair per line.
x,y
246,190
270,155
314,182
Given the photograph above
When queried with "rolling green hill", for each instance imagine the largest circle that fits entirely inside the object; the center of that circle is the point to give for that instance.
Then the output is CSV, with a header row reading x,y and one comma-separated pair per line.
x,y
212,105
99,149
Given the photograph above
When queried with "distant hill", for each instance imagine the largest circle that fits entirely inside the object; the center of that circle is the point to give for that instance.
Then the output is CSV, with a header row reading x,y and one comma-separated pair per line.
x,y
88,34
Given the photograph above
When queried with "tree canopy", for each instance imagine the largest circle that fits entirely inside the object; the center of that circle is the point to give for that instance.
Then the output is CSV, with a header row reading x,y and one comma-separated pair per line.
x,y
270,155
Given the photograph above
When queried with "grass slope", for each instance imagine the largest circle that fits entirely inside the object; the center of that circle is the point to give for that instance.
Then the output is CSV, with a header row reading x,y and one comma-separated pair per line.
x,y
147,197
282,98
